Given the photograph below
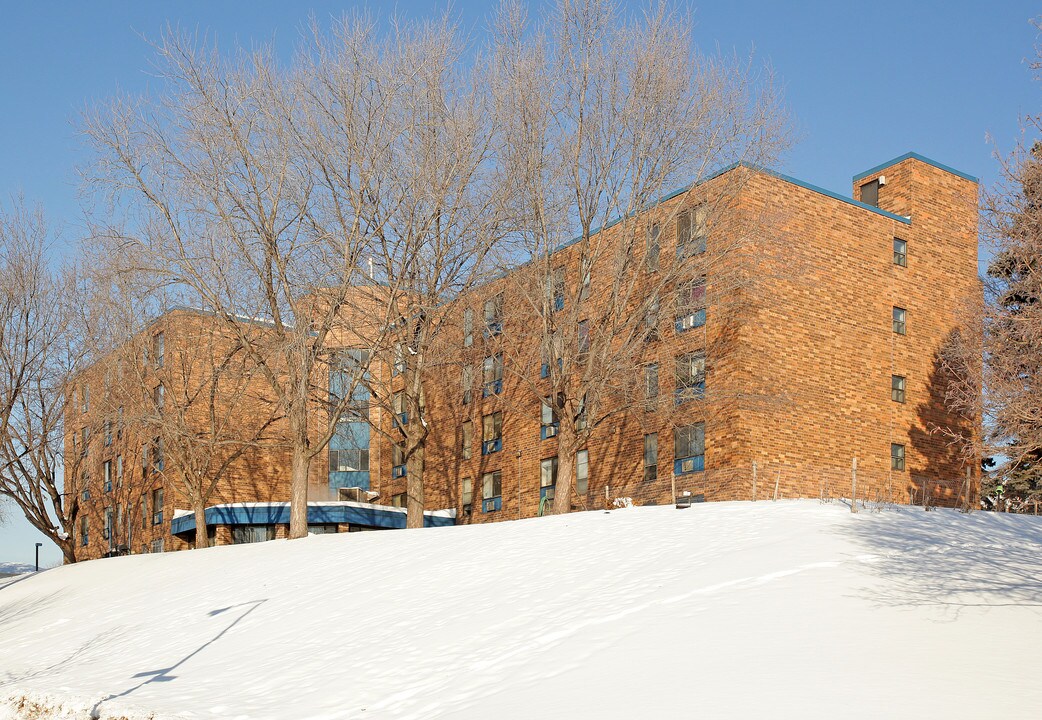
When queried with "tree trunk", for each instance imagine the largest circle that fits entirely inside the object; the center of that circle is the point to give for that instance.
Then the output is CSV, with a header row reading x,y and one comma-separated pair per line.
x,y
414,491
298,494
565,465
201,536
68,549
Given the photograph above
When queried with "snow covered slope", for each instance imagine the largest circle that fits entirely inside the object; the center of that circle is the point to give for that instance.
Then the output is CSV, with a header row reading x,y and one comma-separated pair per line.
x,y
727,610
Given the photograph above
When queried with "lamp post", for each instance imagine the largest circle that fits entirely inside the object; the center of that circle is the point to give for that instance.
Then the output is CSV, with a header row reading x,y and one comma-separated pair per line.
x,y
38,546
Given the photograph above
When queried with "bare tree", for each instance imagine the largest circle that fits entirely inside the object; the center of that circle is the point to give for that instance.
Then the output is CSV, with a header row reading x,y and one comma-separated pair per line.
x,y
403,140
39,353
217,204
602,114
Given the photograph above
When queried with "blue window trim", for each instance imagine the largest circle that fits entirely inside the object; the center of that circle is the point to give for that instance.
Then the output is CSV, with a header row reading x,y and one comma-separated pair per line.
x,y
492,504
157,518
402,419
398,471
548,431
491,446
494,387
691,392
558,302
698,464
699,320
108,486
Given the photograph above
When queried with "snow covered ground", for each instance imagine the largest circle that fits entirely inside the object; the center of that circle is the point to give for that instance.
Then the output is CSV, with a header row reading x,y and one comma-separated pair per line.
x,y
724,610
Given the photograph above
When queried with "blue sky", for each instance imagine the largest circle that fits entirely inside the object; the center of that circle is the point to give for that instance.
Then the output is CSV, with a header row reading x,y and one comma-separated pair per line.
x,y
866,82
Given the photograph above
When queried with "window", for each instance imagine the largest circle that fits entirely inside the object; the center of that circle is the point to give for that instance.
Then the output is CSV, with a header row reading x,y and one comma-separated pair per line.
x,y
654,247
650,386
84,439
492,433
84,530
119,471
85,398
555,289
144,510
492,375
108,433
401,417
400,500
468,491
243,534
157,454
897,388
157,545
580,416
106,468
119,423
157,506
691,231
651,314
494,315
900,252
547,477
159,396
399,359
397,461
584,282
467,439
348,459
900,321
691,305
492,491
106,532
650,457
548,424
326,529
689,449
467,383
582,472
583,335
468,327
144,459
157,350
870,193
897,456
691,376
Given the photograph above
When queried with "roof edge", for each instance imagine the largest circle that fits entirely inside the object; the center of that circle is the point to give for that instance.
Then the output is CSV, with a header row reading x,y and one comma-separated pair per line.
x,y
920,158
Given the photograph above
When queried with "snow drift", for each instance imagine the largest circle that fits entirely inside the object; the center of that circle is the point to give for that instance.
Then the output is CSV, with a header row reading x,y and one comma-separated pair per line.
x,y
736,610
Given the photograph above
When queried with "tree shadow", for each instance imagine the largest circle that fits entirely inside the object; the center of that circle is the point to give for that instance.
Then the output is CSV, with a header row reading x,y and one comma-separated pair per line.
x,y
22,610
937,467
165,674
948,558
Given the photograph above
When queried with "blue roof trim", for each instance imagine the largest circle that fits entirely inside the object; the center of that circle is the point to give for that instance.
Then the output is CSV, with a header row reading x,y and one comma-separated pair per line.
x,y
781,176
318,514
920,158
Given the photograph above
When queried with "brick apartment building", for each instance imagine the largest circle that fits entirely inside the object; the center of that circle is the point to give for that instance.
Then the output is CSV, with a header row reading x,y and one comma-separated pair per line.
x,y
834,358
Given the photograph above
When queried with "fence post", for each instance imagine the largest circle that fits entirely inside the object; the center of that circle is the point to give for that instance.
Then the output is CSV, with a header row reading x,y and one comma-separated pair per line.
x,y
754,481
853,485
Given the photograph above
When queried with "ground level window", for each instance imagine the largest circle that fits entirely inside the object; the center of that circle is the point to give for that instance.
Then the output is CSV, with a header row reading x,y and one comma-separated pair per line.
x,y
689,449
492,491
897,456
650,456
243,534
399,500
157,545
582,471
322,529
